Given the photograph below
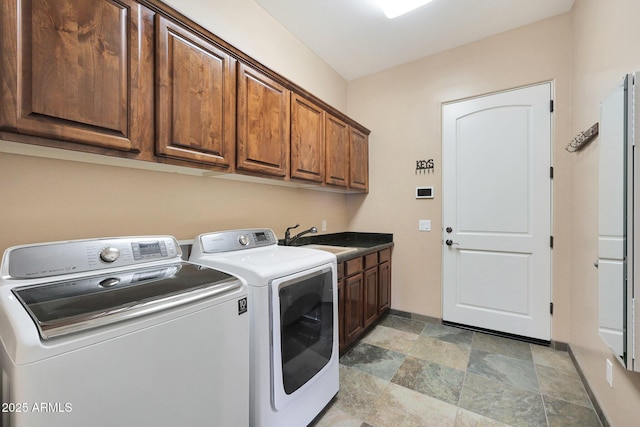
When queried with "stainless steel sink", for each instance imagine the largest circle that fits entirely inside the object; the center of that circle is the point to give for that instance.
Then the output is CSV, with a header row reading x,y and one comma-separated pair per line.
x,y
337,250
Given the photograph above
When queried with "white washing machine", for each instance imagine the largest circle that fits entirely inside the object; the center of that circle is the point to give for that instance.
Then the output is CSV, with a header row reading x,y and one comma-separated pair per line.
x,y
120,332
293,322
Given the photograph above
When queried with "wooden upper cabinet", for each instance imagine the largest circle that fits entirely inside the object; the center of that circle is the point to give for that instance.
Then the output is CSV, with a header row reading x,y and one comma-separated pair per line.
x,y
117,78
78,70
307,140
263,121
359,160
337,149
195,103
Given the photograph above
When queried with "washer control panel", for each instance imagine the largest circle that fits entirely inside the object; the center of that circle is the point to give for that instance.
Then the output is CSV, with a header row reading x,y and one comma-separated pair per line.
x,y
234,240
77,256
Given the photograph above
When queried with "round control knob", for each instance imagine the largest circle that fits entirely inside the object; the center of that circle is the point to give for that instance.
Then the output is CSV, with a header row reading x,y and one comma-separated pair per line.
x,y
243,239
109,254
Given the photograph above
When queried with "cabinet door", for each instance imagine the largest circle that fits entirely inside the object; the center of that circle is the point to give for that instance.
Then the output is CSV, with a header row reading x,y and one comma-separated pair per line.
x,y
195,103
384,286
359,161
263,123
370,295
78,70
354,306
337,149
307,140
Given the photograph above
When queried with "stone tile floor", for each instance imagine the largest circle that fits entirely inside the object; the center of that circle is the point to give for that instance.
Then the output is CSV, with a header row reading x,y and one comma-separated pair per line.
x,y
407,373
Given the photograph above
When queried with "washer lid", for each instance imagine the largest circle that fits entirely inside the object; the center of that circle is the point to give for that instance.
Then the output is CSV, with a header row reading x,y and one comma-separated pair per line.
x,y
74,305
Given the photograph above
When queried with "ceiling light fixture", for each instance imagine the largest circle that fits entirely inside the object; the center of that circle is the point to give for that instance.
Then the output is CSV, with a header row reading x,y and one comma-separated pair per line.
x,y
395,8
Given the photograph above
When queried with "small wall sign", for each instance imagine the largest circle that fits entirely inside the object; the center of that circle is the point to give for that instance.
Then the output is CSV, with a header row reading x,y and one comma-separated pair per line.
x,y
424,165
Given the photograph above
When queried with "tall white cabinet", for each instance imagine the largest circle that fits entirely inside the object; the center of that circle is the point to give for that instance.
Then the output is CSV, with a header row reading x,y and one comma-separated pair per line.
x,y
616,263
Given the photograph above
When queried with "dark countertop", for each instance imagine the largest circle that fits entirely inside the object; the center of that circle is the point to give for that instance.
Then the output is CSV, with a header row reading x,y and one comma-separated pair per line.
x,y
365,242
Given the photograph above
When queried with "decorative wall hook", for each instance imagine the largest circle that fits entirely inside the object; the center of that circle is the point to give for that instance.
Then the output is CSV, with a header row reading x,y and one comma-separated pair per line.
x,y
582,139
424,165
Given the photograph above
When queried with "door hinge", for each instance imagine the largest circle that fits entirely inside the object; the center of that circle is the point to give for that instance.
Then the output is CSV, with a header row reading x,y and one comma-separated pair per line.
x,y
551,242
551,172
551,308
551,106
633,322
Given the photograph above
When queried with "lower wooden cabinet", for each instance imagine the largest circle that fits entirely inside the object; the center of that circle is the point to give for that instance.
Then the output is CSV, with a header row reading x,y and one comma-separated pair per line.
x,y
370,288
370,296
384,286
384,277
353,309
364,294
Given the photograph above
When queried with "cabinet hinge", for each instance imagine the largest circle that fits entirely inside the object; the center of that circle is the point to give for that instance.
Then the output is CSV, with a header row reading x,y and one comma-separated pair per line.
x,y
551,242
551,106
551,308
551,172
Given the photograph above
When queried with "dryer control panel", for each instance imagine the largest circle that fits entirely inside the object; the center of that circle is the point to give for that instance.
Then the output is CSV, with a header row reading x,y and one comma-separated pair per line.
x,y
234,240
77,256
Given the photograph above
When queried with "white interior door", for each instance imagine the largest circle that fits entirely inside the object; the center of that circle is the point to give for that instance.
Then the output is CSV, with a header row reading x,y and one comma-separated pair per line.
x,y
497,212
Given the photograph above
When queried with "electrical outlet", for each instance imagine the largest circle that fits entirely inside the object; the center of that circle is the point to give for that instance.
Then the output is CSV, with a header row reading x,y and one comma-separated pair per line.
x,y
424,225
610,373
324,225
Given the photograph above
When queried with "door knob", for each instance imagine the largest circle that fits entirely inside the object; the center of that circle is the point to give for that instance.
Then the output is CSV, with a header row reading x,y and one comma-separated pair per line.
x,y
449,229
450,242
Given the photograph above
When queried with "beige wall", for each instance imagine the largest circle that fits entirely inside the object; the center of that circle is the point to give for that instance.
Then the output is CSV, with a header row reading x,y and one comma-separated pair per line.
x,y
606,46
403,107
45,199
48,200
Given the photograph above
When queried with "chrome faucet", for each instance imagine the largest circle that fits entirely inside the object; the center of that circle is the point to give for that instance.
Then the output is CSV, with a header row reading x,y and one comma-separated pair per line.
x,y
288,240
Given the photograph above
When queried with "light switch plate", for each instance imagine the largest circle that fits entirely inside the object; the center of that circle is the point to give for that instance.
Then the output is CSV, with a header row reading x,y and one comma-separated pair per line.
x,y
424,225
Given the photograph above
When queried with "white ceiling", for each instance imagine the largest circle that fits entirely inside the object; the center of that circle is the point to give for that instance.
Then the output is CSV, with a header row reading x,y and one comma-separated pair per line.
x,y
356,39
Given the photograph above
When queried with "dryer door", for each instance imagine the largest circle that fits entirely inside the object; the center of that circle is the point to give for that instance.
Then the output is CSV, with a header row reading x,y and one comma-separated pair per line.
x,y
305,333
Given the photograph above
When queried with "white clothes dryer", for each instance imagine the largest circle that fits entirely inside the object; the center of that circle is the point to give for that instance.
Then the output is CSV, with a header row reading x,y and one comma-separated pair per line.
x,y
293,322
